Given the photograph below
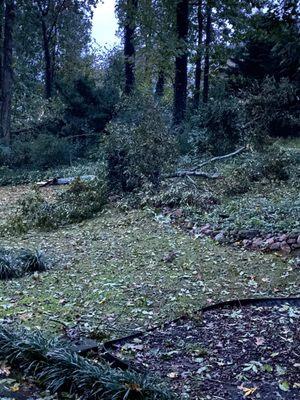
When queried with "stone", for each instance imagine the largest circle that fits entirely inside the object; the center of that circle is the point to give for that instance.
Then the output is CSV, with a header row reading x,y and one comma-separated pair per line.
x,y
220,237
283,238
285,248
291,241
298,240
269,241
248,234
275,246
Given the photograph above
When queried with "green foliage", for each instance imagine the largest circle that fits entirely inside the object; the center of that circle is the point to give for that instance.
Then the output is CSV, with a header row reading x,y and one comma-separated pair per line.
x,y
56,366
42,151
271,110
14,264
258,212
140,146
82,200
273,164
88,106
217,128
177,194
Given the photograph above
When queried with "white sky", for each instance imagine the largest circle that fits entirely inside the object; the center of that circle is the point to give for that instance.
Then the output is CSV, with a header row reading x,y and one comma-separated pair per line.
x,y
105,24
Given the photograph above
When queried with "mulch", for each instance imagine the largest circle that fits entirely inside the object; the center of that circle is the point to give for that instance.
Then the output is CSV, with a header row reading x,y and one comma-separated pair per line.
x,y
250,352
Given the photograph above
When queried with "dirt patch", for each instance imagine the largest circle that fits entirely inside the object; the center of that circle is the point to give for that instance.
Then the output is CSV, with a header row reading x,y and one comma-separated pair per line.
x,y
250,352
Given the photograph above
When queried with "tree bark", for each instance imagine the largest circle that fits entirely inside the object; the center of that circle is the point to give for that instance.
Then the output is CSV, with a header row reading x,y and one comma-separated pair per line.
x,y
48,63
160,84
7,72
1,45
198,63
129,48
207,53
180,86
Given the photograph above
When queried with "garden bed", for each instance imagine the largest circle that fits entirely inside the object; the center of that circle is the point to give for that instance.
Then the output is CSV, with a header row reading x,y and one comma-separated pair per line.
x,y
227,353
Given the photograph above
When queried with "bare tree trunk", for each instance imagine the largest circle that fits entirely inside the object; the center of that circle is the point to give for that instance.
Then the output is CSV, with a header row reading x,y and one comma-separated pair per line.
x,y
48,63
180,86
129,48
207,53
1,43
198,56
160,84
7,73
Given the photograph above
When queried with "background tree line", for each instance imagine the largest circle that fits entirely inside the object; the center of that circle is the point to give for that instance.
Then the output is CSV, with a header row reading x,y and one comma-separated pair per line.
x,y
215,73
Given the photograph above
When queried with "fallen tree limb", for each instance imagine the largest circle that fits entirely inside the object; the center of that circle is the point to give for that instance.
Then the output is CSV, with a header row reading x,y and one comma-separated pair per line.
x,y
65,181
184,173
218,158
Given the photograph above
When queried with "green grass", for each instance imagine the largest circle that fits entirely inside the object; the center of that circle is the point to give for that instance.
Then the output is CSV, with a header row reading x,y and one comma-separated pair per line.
x,y
109,275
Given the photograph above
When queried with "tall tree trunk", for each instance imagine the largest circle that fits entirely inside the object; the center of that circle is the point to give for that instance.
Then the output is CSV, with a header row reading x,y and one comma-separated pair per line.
x,y
48,64
7,72
180,86
129,48
198,63
207,53
160,84
1,44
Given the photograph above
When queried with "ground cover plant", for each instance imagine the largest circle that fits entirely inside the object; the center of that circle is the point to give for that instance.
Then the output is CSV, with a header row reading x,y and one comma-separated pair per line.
x,y
54,364
14,264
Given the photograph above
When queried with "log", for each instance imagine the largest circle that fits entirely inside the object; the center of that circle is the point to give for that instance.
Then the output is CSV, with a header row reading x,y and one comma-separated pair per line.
x,y
65,181
185,173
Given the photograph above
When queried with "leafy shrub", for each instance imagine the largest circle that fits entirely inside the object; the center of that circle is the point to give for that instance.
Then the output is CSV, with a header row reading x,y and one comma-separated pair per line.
x,y
79,202
42,151
49,151
271,110
274,163
14,264
140,145
217,128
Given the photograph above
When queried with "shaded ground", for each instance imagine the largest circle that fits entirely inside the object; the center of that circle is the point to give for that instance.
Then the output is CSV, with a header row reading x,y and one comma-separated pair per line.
x,y
226,354
112,274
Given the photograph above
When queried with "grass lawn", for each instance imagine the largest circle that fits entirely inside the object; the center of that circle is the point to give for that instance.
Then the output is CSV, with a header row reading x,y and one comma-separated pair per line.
x,y
110,277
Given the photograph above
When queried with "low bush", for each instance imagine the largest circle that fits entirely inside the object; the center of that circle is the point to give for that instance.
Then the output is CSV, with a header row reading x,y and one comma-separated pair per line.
x,y
14,264
178,194
56,366
41,151
140,145
79,202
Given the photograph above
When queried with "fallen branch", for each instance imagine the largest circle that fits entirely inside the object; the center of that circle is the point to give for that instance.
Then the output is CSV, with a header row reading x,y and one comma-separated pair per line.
x,y
218,158
65,181
201,174
194,171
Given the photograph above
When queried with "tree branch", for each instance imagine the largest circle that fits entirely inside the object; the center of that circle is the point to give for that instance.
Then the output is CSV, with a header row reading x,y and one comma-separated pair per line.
x,y
218,158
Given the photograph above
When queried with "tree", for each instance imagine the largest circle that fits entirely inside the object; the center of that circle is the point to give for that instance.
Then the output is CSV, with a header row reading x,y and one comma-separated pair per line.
x,y
129,47
198,63
207,52
181,60
7,69
52,17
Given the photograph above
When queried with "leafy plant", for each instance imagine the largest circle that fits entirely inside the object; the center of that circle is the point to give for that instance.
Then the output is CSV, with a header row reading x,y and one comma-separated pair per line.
x,y
140,145
14,264
58,368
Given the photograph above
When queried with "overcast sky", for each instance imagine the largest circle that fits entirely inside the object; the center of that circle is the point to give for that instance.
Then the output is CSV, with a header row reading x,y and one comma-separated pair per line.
x,y
105,24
